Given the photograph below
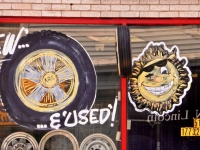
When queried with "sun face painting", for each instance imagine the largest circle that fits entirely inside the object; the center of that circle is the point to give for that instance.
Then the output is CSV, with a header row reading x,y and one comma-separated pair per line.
x,y
159,80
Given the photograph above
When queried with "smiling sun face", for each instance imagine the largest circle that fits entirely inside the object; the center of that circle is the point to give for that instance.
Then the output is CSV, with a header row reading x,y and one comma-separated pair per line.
x,y
159,79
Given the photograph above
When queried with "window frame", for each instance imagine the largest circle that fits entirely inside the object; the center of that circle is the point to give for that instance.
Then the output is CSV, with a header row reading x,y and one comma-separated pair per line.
x,y
108,21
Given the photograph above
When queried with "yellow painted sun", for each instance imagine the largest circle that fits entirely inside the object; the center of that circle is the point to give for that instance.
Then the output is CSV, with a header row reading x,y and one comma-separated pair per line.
x,y
160,78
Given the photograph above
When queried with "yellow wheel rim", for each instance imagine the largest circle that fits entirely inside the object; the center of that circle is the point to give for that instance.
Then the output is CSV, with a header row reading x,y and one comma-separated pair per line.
x,y
46,80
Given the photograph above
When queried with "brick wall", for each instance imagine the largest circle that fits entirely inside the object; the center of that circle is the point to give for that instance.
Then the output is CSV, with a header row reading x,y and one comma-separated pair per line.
x,y
101,8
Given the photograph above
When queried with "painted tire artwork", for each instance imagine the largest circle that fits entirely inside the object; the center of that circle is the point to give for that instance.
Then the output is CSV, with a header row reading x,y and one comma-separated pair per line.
x,y
97,141
19,141
123,50
159,80
54,74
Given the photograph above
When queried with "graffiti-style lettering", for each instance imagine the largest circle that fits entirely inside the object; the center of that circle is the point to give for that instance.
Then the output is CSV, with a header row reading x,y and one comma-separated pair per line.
x,y
11,43
82,116
67,124
55,121
95,116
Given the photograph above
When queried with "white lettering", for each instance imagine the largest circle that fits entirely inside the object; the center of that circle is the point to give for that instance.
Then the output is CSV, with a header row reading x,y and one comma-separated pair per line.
x,y
197,113
160,118
2,35
150,118
169,117
173,117
166,117
93,119
82,116
104,115
8,45
67,119
186,115
114,112
53,121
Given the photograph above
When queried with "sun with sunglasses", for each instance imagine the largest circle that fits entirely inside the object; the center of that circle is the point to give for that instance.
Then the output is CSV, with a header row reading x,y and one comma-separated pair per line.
x,y
160,79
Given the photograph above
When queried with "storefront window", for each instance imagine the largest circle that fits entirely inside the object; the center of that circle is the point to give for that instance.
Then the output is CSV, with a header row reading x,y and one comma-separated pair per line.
x,y
100,44
164,132
154,121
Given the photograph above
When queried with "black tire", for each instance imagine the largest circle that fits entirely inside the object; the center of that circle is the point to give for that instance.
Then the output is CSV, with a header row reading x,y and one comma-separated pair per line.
x,y
124,51
45,40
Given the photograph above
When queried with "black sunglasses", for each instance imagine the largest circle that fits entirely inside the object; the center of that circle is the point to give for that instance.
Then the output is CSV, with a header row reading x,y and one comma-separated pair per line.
x,y
158,64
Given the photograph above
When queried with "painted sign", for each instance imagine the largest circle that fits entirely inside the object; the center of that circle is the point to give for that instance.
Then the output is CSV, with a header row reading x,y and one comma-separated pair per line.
x,y
96,116
49,82
160,79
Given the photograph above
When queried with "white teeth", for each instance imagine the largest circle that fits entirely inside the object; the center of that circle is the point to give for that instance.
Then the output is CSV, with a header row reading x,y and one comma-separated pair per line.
x,y
159,90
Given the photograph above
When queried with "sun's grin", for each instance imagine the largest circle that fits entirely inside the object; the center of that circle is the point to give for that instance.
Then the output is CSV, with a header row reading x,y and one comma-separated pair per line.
x,y
160,89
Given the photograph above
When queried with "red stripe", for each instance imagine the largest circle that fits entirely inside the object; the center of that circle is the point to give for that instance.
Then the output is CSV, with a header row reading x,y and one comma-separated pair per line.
x,y
123,114
105,21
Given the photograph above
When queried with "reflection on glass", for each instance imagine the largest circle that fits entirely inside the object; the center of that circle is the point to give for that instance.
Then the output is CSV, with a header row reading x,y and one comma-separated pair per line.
x,y
58,142
164,132
100,43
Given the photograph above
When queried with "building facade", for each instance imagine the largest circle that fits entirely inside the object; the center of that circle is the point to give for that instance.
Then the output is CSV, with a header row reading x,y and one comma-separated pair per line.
x,y
99,74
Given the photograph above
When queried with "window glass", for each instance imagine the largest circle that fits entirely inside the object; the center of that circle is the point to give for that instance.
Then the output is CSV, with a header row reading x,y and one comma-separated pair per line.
x,y
151,131
99,42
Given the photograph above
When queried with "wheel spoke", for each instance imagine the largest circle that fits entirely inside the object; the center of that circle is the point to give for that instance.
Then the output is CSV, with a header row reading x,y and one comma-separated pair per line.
x,y
27,86
65,85
57,92
14,142
64,74
38,64
25,148
48,63
99,147
48,98
22,141
9,148
29,146
38,93
31,73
